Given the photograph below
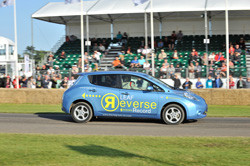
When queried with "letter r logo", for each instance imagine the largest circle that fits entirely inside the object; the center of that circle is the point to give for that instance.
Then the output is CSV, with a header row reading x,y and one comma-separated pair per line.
x,y
110,101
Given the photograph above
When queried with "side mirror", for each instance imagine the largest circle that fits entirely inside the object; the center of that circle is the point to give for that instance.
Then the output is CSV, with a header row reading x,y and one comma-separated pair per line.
x,y
150,88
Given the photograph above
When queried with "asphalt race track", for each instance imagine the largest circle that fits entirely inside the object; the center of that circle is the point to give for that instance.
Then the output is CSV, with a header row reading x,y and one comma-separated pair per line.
x,y
63,124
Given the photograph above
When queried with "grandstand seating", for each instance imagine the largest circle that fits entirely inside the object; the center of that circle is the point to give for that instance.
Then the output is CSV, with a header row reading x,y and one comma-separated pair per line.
x,y
73,50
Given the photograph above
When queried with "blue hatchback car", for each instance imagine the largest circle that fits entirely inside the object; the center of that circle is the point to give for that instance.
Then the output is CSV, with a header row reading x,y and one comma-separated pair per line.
x,y
130,94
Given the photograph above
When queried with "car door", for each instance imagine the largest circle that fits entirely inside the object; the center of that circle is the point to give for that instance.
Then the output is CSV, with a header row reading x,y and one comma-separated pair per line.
x,y
104,94
135,99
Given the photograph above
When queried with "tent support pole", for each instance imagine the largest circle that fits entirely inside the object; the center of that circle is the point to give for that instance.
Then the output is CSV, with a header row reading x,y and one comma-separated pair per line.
x,y
146,28
82,36
112,31
210,24
227,42
160,29
15,48
87,30
152,38
206,37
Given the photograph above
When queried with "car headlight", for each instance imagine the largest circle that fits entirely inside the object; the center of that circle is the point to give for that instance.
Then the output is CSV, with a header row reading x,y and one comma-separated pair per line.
x,y
189,96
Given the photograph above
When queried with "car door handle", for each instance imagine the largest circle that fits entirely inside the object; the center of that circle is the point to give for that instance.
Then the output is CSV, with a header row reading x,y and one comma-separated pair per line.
x,y
125,93
92,90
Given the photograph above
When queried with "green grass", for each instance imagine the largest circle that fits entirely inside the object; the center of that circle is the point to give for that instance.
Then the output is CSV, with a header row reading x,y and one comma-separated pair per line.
x,y
213,110
27,149
228,111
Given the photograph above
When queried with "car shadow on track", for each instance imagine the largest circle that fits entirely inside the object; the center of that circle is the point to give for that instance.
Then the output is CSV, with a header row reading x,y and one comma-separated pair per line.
x,y
68,118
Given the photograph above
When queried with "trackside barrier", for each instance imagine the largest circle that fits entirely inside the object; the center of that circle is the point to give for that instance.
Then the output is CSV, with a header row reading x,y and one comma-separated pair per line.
x,y
54,96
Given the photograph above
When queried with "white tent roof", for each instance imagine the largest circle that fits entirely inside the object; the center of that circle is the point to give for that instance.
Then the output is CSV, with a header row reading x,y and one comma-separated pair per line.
x,y
58,12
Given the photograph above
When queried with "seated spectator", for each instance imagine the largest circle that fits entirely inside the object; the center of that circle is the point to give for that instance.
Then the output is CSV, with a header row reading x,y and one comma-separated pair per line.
x,y
64,83
187,84
217,83
63,55
242,44
160,44
175,55
209,82
31,83
241,83
237,49
8,82
71,82
219,57
171,44
195,52
231,64
119,36
101,48
192,57
223,70
74,71
24,82
177,81
237,58
142,45
231,83
248,83
173,36
162,55
179,36
197,70
95,62
166,42
231,49
139,50
166,62
53,82
211,58
51,59
141,61
178,70
134,63
146,66
116,63
171,71
46,82
95,47
122,61
86,65
231,56
146,51
97,56
199,84
57,70
191,70
204,59
79,64
164,71
50,71
125,38
38,82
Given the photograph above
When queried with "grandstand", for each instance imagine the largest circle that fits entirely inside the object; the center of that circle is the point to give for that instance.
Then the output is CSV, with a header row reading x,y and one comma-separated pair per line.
x,y
171,16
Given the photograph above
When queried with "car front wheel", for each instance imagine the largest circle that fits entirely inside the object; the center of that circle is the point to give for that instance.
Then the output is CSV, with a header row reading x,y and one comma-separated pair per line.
x,y
81,112
173,114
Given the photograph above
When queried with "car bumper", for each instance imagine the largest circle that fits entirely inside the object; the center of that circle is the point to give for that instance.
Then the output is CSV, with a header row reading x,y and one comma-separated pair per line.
x,y
199,111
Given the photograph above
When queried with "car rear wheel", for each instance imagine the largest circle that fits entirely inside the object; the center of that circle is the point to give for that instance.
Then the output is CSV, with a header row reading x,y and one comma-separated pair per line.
x,y
173,114
81,112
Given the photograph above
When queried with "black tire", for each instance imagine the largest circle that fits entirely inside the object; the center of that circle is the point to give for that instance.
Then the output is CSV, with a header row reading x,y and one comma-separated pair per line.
x,y
81,112
173,114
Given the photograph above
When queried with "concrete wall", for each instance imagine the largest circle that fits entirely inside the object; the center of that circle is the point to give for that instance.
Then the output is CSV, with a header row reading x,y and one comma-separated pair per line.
x,y
54,96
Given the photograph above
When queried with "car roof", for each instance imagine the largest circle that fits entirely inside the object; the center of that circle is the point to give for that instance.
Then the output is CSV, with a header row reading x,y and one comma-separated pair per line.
x,y
113,72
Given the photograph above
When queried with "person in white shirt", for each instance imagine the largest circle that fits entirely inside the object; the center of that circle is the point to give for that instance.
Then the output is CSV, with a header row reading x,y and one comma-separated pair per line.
x,y
146,51
71,81
211,58
50,71
101,48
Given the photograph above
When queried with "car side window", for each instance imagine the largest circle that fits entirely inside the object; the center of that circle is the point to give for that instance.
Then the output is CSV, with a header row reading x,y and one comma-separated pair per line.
x,y
136,83
107,80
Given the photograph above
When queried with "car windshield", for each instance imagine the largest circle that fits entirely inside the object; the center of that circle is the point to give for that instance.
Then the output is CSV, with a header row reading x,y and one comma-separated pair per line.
x,y
159,81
